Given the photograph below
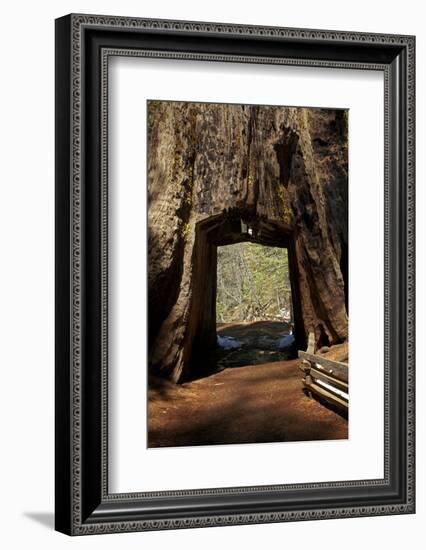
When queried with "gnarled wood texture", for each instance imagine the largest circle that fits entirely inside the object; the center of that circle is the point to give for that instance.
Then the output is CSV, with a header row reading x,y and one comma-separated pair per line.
x,y
282,171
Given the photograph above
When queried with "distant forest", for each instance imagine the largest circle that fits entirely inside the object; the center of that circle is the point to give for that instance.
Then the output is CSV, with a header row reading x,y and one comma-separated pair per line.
x,y
252,283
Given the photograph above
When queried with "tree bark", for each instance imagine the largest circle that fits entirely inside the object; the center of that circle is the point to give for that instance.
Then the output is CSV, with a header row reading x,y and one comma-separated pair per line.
x,y
281,170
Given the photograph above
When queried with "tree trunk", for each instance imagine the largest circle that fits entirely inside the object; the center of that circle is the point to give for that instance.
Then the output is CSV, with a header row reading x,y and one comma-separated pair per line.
x,y
283,172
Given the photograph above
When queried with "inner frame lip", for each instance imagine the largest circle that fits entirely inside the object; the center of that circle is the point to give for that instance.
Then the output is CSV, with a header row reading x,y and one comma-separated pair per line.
x,y
113,52
107,53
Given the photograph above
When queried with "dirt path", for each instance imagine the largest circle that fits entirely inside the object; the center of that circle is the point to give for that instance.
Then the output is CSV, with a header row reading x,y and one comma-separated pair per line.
x,y
251,404
259,343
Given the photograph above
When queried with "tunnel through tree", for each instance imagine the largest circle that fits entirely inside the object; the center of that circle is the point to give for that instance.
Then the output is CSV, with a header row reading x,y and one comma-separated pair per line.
x,y
254,312
214,169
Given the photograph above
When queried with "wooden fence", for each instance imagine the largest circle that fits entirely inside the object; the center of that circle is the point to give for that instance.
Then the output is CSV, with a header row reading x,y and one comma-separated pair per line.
x,y
326,379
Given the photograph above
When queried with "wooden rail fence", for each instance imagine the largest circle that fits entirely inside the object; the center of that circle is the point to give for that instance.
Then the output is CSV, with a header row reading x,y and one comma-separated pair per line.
x,y
325,378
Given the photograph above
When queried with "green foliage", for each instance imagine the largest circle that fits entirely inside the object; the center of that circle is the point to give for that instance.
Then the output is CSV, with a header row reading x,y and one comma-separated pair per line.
x,y
252,283
287,212
185,230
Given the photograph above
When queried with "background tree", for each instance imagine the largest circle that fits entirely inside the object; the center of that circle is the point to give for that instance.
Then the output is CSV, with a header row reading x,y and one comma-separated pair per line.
x,y
253,283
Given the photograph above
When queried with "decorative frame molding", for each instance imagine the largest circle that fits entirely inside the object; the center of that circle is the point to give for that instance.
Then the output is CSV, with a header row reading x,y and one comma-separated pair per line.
x,y
84,44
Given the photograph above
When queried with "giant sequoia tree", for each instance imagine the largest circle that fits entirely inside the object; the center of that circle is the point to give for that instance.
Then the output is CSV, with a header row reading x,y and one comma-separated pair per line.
x,y
219,174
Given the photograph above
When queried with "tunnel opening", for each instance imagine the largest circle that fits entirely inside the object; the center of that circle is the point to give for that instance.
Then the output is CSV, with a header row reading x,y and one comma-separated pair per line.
x,y
213,236
254,310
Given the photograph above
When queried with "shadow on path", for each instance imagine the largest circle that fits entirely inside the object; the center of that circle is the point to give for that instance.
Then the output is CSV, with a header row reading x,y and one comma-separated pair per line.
x,y
250,404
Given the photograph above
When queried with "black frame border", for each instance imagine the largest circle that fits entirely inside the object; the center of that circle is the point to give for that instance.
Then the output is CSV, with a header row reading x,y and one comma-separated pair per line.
x,y
83,45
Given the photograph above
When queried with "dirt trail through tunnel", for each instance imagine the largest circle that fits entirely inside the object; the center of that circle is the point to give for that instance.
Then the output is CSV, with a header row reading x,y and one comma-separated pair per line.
x,y
259,342
250,404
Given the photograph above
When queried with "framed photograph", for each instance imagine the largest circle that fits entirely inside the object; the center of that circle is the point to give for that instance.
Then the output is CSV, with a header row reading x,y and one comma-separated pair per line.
x,y
234,274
